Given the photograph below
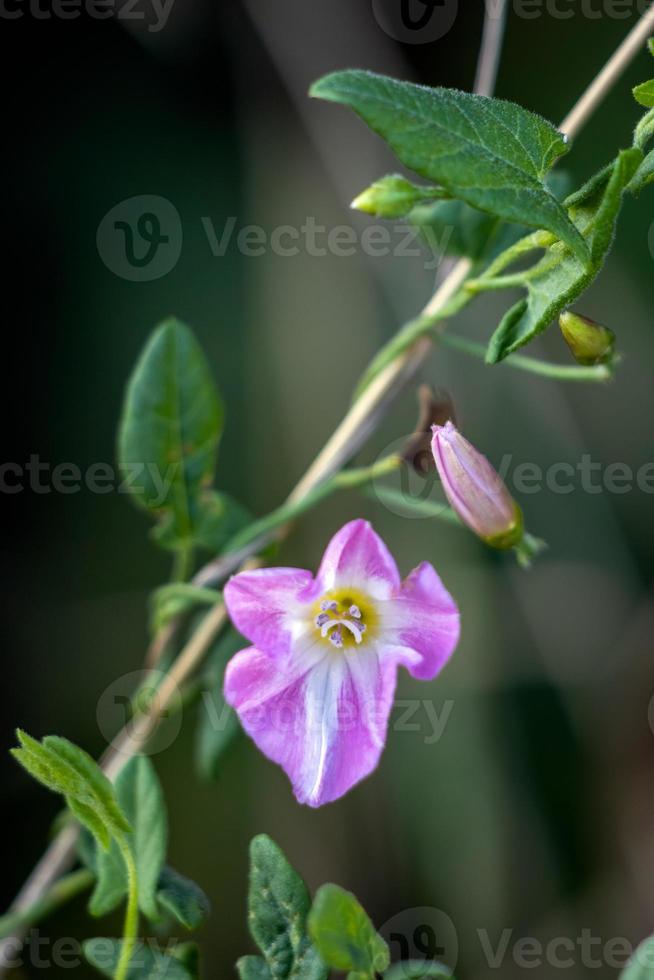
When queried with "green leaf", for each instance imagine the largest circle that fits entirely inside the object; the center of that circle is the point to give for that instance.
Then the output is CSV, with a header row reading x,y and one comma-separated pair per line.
x,y
455,228
169,432
64,768
559,278
644,94
217,722
344,935
182,898
418,970
487,152
89,819
146,963
644,175
139,793
253,968
278,905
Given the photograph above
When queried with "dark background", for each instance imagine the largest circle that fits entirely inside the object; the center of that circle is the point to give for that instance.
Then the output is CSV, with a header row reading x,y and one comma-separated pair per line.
x,y
534,811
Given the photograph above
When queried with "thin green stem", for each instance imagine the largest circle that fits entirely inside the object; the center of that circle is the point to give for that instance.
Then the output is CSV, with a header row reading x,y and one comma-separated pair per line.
x,y
422,508
62,892
531,242
131,927
487,285
561,372
182,564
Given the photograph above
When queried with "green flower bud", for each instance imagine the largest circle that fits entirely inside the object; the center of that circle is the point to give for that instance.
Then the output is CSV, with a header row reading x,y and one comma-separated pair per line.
x,y
393,197
590,342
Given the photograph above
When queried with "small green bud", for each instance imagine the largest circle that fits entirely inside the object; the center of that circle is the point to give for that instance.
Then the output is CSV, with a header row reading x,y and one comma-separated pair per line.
x,y
393,197
590,342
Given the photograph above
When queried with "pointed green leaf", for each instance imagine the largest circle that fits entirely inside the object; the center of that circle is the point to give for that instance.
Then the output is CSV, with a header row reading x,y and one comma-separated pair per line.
x,y
64,768
146,963
344,935
559,278
139,792
170,429
487,152
455,228
644,94
278,905
644,175
89,819
102,795
182,898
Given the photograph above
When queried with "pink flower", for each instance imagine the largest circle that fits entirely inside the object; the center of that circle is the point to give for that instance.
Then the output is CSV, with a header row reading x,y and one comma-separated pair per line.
x,y
316,688
475,490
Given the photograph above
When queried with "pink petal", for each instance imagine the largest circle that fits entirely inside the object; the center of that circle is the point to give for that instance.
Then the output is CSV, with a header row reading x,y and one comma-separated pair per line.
x,y
422,620
267,604
325,725
357,556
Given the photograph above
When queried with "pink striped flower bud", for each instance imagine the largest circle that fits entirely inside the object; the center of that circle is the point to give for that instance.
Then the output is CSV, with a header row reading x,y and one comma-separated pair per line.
x,y
475,489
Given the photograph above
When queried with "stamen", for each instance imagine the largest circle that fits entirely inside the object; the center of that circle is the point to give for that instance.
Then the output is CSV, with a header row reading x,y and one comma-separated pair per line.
x,y
336,637
354,628
333,619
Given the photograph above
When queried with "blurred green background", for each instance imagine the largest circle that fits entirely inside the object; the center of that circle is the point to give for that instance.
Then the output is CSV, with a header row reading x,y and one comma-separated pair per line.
x,y
534,811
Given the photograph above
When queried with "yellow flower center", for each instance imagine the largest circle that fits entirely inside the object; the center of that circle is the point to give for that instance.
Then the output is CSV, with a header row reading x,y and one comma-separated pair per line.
x,y
345,617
